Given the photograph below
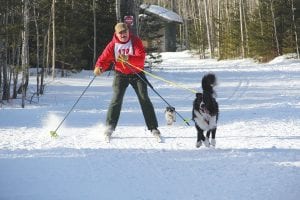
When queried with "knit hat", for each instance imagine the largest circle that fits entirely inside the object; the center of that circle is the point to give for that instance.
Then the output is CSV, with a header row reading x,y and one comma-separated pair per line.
x,y
121,27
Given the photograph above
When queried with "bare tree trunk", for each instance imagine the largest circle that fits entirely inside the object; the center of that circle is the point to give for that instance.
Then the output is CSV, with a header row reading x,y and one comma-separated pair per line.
x,y
37,51
95,32
5,82
275,29
201,32
218,33
208,28
295,29
44,62
53,39
212,26
25,54
227,27
1,69
118,12
62,73
136,12
184,26
186,33
48,48
180,26
16,71
195,23
242,29
246,30
173,5
260,18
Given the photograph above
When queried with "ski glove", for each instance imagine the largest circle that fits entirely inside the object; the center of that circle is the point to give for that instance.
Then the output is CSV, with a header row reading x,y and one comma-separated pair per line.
x,y
122,58
97,71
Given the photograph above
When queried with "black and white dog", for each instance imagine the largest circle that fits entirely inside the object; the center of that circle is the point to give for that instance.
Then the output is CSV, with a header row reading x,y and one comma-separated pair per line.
x,y
206,112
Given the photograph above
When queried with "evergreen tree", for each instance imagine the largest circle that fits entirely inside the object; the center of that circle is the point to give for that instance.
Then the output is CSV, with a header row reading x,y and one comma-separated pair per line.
x,y
261,41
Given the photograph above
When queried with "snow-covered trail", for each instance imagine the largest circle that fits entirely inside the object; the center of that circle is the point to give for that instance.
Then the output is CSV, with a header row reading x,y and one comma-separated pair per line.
x,y
258,139
151,174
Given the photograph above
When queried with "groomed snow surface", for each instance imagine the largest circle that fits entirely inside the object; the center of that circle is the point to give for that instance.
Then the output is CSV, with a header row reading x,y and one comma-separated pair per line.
x,y
258,138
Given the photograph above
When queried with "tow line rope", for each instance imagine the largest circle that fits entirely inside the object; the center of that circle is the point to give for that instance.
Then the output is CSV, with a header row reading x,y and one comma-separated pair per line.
x,y
157,77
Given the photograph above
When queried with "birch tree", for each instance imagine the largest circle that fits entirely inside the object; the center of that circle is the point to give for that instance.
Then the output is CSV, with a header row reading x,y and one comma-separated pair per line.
x,y
37,49
118,12
208,28
218,27
25,53
275,28
242,28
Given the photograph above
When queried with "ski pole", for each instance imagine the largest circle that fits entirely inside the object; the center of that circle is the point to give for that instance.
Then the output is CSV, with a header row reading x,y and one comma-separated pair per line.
x,y
145,80
54,133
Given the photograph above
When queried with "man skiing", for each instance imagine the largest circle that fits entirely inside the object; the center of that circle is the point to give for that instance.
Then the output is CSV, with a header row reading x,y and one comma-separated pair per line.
x,y
126,47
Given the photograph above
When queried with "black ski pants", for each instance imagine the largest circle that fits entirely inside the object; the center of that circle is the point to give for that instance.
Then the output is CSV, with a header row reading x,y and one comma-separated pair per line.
x,y
120,84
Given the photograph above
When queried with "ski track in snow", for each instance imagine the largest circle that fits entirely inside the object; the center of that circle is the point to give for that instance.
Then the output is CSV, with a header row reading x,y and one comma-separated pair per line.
x,y
258,138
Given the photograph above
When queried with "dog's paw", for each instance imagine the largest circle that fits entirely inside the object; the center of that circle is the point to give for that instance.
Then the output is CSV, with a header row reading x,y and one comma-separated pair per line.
x,y
206,142
213,143
198,144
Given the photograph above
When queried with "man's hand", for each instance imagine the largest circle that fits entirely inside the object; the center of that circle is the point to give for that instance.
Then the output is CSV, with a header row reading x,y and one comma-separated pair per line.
x,y
97,71
122,58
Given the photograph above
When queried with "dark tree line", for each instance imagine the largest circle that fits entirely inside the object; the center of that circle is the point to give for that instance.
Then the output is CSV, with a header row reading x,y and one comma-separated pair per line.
x,y
60,35
223,29
49,35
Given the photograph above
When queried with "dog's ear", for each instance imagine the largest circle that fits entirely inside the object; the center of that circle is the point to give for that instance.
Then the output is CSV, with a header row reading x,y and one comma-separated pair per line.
x,y
199,95
213,79
170,109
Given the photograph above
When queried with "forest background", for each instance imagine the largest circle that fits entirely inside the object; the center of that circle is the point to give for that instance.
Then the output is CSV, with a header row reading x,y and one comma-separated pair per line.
x,y
69,34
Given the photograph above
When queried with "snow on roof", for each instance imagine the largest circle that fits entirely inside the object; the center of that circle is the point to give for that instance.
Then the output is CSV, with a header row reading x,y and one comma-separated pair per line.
x,y
162,12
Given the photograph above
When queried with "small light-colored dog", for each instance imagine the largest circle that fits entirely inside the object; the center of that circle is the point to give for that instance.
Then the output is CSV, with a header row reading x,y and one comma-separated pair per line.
x,y
170,115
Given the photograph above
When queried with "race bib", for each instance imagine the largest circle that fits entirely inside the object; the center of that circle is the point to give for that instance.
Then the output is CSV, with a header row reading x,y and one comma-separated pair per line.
x,y
125,49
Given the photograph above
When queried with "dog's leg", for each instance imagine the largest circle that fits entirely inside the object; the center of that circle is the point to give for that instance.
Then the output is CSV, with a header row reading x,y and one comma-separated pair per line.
x,y
208,133
206,139
200,136
213,133
213,137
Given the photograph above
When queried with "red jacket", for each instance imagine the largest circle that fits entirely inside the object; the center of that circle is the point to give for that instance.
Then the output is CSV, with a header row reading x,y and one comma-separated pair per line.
x,y
136,55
